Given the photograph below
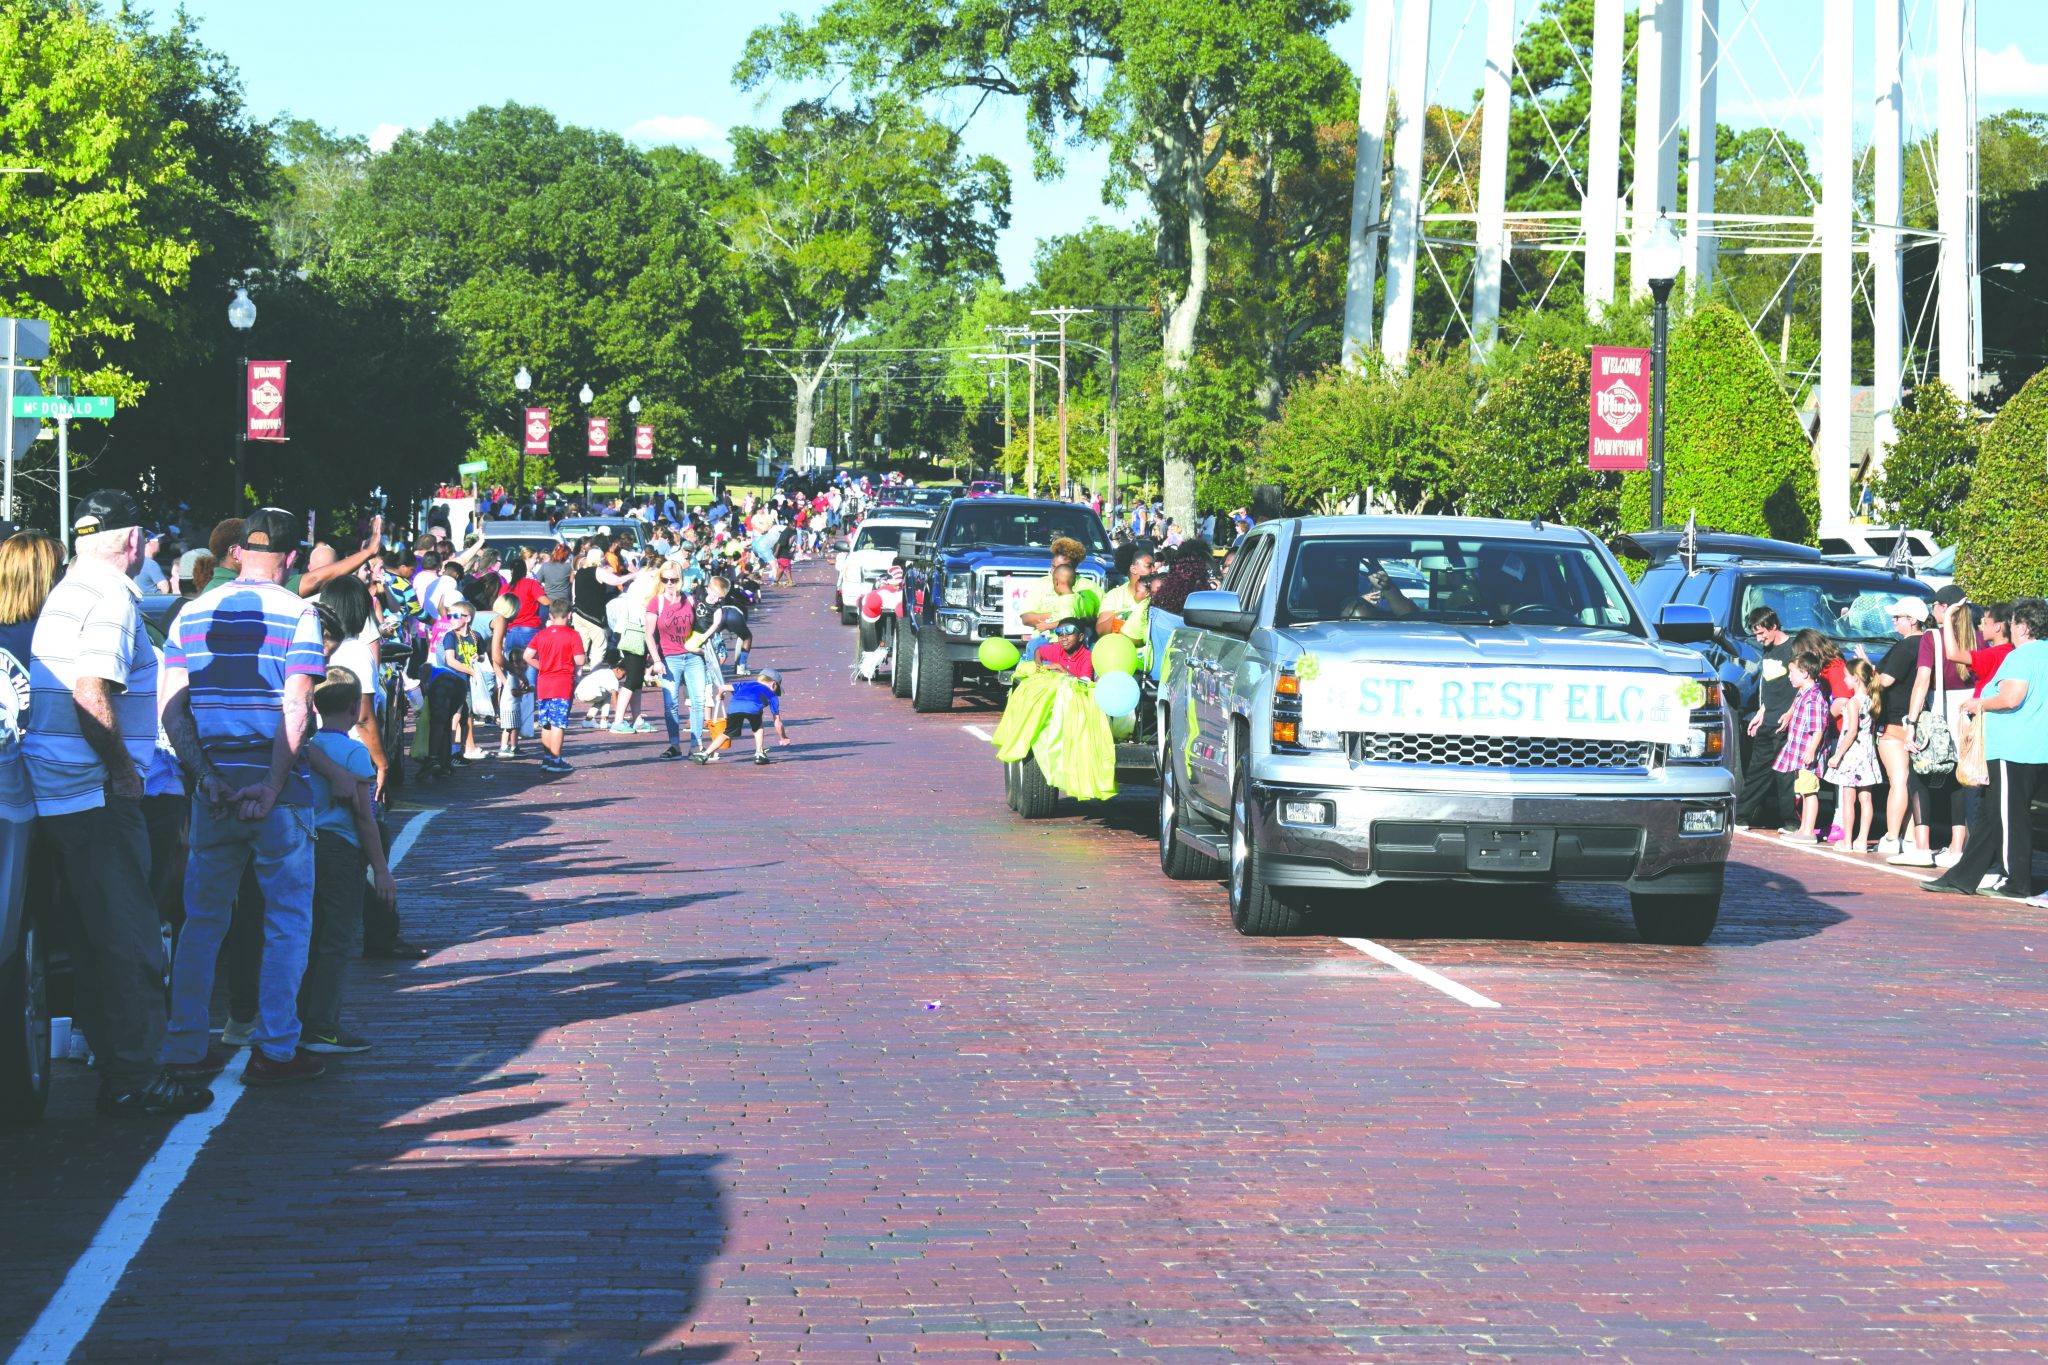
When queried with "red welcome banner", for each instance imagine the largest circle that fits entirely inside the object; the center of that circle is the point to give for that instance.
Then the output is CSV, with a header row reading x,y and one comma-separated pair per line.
x,y
536,431
266,400
643,443
600,436
1618,423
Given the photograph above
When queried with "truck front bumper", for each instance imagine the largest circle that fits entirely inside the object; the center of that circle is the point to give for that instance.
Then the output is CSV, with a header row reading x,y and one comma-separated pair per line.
x,y
1373,835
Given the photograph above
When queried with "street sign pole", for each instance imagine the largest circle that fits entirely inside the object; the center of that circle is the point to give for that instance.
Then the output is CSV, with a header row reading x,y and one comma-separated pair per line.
x,y
63,481
7,491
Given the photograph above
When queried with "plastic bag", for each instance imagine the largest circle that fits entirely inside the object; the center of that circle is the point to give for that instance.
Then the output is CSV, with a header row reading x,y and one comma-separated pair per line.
x,y
1971,769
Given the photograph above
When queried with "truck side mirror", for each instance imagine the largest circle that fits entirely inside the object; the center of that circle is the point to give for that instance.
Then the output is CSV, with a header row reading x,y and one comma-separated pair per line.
x,y
1686,624
1220,611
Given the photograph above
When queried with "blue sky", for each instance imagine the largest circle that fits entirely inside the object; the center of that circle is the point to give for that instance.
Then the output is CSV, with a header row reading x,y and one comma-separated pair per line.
x,y
659,70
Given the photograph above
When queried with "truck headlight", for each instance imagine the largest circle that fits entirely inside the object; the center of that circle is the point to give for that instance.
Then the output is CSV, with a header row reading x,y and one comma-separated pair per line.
x,y
953,625
1320,739
959,591
1702,743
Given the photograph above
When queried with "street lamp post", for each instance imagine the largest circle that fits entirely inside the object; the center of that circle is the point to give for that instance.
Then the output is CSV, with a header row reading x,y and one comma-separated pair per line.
x,y
521,382
584,396
1977,311
241,317
1662,256
632,407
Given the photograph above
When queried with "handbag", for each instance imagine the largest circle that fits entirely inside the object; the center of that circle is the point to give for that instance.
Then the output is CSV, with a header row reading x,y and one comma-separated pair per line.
x,y
1934,754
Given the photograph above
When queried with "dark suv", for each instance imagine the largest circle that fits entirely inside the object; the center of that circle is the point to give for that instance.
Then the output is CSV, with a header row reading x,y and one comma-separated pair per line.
x,y
1732,575
966,582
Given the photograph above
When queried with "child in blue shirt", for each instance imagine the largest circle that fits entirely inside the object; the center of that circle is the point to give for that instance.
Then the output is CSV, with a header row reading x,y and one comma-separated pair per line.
x,y
345,841
755,702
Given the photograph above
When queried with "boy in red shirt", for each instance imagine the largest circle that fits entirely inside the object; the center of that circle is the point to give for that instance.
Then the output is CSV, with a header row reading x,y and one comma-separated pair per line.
x,y
556,653
1069,649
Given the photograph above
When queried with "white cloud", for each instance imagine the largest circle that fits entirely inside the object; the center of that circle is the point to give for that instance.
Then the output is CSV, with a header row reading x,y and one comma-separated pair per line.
x,y
2009,72
383,135
681,129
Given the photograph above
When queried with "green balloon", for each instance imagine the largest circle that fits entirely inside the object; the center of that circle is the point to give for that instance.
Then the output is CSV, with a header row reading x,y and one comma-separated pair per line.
x,y
997,655
1115,654
1088,604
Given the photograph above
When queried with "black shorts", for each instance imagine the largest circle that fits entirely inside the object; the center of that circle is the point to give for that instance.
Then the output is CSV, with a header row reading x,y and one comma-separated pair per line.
x,y
636,670
736,722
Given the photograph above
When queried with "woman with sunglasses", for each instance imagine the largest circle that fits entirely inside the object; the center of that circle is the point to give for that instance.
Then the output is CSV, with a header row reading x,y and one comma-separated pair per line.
x,y
671,620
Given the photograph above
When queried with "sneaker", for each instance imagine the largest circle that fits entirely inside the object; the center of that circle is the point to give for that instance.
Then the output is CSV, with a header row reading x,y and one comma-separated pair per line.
x,y
459,761
1887,846
672,751
1942,888
236,1034
641,727
216,1060
761,760
163,1094
1912,857
1948,857
551,764
1990,881
302,1066
2036,902
334,1041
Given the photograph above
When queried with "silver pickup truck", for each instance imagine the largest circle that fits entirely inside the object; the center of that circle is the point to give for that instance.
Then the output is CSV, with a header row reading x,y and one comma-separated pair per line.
x,y
1374,699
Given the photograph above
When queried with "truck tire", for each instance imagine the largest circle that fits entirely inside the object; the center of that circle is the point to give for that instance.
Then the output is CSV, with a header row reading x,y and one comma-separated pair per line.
x,y
1676,921
931,677
901,643
25,1028
848,616
1256,911
1035,796
1179,862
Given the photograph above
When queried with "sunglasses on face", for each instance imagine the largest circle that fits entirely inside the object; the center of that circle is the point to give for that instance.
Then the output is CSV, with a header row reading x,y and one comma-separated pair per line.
x,y
1068,631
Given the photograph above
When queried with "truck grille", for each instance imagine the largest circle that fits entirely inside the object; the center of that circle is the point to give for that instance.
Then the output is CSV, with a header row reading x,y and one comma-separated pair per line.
x,y
1497,751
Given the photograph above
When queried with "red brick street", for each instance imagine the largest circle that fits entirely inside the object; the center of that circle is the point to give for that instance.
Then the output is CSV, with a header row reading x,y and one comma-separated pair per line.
x,y
838,1060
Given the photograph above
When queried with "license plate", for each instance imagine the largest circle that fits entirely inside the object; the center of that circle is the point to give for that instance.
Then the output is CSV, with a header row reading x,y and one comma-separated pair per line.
x,y
1509,848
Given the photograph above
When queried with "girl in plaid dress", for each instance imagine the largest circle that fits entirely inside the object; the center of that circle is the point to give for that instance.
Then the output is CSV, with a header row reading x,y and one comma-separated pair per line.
x,y
1801,755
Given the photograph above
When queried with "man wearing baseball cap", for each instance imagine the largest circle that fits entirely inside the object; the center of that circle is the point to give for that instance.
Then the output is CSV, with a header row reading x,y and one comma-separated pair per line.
x,y
239,672
91,735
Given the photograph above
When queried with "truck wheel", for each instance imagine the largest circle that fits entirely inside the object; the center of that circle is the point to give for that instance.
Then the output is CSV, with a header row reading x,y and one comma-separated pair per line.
x,y
1035,796
902,642
1679,921
1179,862
931,677
25,1028
1255,910
848,616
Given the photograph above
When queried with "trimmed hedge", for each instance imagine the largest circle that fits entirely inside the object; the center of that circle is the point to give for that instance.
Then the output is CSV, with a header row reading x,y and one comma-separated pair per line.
x,y
2003,549
1734,451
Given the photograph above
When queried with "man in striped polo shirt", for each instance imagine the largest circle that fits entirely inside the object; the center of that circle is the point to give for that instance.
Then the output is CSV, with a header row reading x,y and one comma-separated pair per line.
x,y
91,735
239,670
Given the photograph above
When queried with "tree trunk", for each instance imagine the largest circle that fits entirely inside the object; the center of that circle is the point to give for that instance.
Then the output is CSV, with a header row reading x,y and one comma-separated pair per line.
x,y
806,396
1181,183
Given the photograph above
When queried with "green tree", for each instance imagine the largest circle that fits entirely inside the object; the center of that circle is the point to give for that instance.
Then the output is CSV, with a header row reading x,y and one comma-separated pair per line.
x,y
830,204
1926,477
1735,452
1401,437
2002,551
1168,87
1529,448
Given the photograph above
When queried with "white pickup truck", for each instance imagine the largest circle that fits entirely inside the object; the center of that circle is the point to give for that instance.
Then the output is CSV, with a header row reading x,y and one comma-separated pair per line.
x,y
867,557
1374,699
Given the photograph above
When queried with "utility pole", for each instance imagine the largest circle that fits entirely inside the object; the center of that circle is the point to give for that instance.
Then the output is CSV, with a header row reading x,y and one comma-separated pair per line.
x,y
853,415
1116,313
1062,314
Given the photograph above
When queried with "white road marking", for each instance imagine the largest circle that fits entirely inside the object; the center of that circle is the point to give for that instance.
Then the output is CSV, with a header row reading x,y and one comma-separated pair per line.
x,y
1463,994
1918,874
74,1308
979,733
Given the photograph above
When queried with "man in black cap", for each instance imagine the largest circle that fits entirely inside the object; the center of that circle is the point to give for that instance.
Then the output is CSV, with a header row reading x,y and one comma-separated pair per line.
x,y
91,735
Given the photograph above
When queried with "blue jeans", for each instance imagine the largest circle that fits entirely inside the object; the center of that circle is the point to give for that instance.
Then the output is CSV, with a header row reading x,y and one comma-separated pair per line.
x,y
281,847
680,678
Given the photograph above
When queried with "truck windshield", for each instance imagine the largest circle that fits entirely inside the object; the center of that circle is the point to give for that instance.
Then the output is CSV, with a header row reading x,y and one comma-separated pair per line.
x,y
1850,610
1466,581
981,523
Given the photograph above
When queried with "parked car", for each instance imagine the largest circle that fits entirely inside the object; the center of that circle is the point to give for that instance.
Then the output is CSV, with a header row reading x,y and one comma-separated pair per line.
x,y
863,560
1733,575
1511,715
984,488
970,581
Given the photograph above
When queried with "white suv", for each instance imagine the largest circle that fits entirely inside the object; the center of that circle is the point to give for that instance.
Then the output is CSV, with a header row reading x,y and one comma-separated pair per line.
x,y
874,547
